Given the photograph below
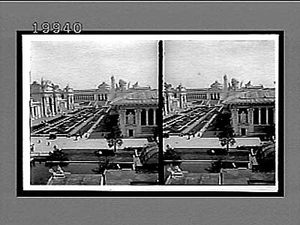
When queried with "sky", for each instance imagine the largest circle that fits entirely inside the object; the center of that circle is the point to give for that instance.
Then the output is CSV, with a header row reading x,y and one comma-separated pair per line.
x,y
86,64
198,63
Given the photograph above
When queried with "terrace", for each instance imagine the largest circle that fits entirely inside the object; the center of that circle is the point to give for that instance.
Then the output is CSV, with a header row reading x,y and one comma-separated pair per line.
x,y
70,124
189,121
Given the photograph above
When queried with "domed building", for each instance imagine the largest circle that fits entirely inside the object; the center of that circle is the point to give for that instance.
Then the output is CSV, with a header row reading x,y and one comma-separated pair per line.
x,y
138,112
97,96
174,99
211,95
47,99
253,112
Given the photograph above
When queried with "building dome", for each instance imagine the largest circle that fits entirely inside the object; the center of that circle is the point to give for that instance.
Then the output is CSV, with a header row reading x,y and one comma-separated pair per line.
x,y
180,88
103,85
216,85
68,89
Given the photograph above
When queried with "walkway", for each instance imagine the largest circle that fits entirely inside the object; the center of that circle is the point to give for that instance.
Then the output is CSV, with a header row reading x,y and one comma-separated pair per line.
x,y
46,144
196,142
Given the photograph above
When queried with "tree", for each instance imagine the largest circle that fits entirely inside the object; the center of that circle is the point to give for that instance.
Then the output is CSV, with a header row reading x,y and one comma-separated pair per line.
x,y
104,160
226,137
57,155
155,136
223,119
270,132
266,158
216,166
171,154
114,135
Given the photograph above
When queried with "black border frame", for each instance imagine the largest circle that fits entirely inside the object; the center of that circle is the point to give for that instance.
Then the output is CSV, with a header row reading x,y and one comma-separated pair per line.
x,y
20,192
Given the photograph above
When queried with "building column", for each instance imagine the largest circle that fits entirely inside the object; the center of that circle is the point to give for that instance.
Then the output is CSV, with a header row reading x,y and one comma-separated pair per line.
x,y
32,112
235,116
267,115
259,116
35,112
168,103
51,106
250,120
39,112
43,107
122,117
274,115
147,117
250,116
154,117
50,103
57,104
72,101
122,121
47,106
68,102
138,117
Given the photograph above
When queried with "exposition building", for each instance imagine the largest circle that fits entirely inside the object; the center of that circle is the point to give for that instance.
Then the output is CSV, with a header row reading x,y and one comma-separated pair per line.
x,y
137,106
253,112
252,107
48,100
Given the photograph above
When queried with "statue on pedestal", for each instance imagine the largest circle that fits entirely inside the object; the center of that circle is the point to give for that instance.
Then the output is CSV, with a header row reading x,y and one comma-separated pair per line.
x,y
243,117
130,118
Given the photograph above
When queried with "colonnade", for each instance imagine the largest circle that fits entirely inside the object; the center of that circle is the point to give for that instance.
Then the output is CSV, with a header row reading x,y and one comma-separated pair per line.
x,y
50,105
85,97
141,117
91,97
137,122
214,96
102,97
209,96
35,112
254,116
197,96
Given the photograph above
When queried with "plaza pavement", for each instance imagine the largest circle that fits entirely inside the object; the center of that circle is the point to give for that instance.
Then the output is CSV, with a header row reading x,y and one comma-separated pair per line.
x,y
46,145
197,142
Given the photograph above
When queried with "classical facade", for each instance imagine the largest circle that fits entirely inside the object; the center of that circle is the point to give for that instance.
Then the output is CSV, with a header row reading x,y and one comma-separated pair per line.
x,y
214,92
47,99
105,93
137,106
175,99
98,96
252,112
218,92
138,112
